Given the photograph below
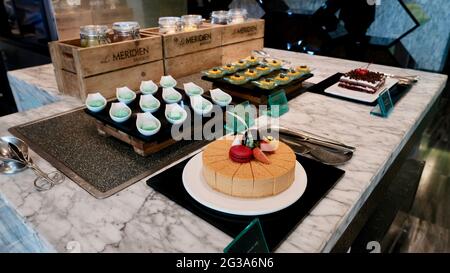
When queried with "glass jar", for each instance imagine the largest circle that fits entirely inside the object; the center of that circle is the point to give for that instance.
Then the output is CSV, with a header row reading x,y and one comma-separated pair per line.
x,y
93,35
219,17
125,31
237,16
169,25
191,22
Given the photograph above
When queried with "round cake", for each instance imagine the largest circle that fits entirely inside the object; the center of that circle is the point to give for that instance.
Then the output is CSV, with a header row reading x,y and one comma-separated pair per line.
x,y
252,179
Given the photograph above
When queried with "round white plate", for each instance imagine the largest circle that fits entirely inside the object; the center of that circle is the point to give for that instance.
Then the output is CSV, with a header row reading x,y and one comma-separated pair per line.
x,y
195,184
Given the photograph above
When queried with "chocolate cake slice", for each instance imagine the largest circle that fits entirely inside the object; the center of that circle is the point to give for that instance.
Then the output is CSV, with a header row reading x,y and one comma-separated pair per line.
x,y
362,80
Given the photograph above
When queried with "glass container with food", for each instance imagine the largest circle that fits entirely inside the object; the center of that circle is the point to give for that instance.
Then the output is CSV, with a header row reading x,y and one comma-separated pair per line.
x,y
191,22
125,31
237,16
169,25
93,35
219,17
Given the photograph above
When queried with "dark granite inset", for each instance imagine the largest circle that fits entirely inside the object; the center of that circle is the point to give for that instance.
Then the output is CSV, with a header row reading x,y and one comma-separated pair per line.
x,y
105,163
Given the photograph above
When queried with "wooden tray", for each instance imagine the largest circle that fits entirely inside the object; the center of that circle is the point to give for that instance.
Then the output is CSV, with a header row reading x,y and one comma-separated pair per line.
x,y
128,133
256,95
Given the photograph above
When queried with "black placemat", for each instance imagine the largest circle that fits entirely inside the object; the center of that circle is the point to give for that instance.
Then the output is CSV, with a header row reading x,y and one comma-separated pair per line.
x,y
397,91
276,226
100,165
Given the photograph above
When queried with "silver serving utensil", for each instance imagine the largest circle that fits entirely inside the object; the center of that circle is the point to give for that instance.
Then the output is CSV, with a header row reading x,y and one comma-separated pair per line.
x,y
266,55
4,149
43,181
321,141
9,166
404,80
321,154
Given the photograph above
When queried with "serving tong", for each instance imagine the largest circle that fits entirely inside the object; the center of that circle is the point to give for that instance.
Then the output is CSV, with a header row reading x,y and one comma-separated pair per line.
x,y
404,80
44,181
263,54
327,151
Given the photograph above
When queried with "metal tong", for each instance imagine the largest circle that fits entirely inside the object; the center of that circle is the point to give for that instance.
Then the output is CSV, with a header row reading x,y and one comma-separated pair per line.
x,y
43,180
332,145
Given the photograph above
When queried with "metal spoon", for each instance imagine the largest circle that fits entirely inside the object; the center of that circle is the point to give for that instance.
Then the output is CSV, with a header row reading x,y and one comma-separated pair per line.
x,y
4,149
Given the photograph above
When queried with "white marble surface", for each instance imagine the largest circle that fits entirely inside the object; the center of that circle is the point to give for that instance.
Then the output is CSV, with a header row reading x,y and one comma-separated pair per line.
x,y
34,87
138,219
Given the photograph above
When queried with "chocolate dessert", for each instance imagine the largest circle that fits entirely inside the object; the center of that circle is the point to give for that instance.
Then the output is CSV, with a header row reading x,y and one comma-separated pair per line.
x,y
362,80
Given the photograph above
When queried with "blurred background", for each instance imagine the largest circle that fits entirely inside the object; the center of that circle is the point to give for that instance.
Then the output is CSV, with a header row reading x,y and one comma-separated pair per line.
x,y
403,33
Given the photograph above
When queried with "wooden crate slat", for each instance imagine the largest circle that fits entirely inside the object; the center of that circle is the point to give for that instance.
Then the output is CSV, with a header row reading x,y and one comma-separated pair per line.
x,y
234,33
131,77
110,57
191,63
233,52
182,43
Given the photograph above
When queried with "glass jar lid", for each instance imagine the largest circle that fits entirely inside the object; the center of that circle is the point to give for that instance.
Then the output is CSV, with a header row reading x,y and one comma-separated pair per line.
x,y
94,30
130,26
191,19
237,12
219,14
169,21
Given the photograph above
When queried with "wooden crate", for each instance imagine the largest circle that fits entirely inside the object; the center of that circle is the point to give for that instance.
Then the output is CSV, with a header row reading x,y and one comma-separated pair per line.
x,y
73,85
235,33
176,44
80,71
238,40
186,53
236,51
191,63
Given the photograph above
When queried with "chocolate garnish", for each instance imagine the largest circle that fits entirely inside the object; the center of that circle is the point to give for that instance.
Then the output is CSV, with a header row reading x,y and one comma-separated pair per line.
x,y
370,76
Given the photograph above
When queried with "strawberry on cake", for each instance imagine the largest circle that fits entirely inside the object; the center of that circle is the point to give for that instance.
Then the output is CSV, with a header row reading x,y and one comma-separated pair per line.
x,y
362,80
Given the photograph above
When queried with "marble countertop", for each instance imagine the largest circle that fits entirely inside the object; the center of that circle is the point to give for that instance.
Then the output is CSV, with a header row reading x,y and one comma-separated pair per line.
x,y
34,87
139,219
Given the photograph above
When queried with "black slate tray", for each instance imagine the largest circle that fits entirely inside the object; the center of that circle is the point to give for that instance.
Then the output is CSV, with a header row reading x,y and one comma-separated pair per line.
x,y
249,87
397,91
129,126
276,226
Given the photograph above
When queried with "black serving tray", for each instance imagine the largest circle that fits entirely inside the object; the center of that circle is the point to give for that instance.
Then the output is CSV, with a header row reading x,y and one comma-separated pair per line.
x,y
276,226
397,91
256,95
129,127
249,87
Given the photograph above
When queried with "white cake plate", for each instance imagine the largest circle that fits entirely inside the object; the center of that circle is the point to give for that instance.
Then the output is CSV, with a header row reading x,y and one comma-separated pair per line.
x,y
336,90
195,184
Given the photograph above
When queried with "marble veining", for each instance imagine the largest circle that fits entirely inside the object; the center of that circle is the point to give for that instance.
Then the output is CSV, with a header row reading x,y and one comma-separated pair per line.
x,y
139,219
34,87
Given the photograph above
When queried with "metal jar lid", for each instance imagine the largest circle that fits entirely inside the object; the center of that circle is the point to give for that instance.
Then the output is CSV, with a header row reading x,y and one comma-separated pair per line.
x,y
93,30
129,27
